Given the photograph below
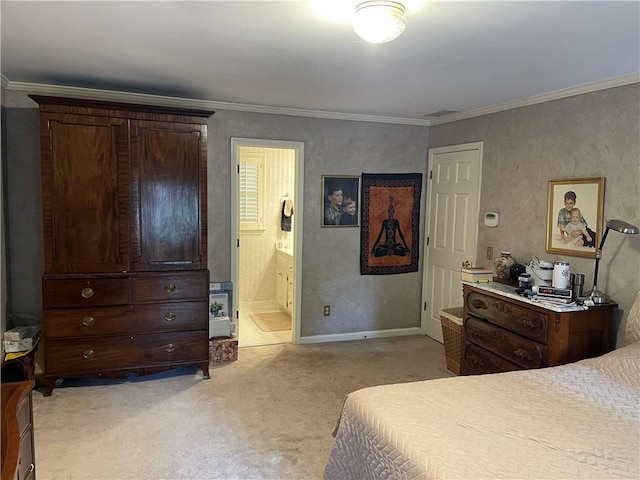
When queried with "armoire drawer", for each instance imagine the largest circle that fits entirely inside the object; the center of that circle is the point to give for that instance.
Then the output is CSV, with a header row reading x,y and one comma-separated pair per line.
x,y
85,292
160,288
122,352
476,360
512,347
145,318
525,321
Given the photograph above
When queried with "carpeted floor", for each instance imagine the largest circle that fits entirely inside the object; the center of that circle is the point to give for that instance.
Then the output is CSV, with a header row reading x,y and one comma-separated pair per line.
x,y
272,321
268,415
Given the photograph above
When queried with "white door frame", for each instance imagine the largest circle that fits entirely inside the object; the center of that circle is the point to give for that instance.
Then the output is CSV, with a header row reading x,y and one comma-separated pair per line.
x,y
298,147
426,284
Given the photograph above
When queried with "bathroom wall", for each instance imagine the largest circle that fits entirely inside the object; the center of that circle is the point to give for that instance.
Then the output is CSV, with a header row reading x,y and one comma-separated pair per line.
x,y
591,135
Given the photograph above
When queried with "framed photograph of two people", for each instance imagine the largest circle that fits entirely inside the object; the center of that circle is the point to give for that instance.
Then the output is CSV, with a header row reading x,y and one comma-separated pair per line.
x,y
340,196
574,216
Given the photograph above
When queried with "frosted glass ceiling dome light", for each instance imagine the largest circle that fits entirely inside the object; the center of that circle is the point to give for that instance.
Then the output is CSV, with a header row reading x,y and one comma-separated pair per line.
x,y
379,21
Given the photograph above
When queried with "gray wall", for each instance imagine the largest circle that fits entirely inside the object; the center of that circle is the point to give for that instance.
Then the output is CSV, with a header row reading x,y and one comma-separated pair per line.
x,y
330,256
330,259
590,135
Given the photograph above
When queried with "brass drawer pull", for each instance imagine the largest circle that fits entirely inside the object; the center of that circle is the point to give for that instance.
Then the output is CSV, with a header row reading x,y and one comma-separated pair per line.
x,y
170,347
88,354
88,321
170,288
169,316
87,292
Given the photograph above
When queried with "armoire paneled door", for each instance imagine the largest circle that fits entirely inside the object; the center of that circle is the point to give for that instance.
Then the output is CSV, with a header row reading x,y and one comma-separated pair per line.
x,y
125,286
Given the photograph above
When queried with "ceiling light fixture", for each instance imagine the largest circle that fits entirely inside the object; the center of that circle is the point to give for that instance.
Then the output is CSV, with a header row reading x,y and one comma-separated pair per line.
x,y
379,21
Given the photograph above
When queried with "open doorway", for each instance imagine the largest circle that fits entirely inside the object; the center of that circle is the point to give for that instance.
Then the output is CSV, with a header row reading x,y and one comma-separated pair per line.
x,y
266,228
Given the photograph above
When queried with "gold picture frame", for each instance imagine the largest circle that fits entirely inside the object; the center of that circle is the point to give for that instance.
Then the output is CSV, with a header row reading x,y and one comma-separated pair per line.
x,y
581,236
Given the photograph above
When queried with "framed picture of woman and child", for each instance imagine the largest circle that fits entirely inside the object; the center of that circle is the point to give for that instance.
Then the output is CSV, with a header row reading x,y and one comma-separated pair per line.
x,y
574,216
340,201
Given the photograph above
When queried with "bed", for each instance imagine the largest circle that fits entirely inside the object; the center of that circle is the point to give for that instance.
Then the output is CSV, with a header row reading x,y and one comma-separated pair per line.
x,y
580,420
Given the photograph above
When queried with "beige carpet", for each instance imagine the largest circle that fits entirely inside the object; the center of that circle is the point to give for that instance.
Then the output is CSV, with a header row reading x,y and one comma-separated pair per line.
x,y
267,416
272,322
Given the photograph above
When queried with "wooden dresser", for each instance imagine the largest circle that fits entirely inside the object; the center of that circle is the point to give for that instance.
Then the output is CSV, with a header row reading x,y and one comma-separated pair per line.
x,y
18,453
126,284
506,332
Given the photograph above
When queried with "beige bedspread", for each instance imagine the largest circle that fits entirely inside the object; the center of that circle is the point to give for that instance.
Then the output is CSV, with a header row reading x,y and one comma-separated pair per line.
x,y
573,421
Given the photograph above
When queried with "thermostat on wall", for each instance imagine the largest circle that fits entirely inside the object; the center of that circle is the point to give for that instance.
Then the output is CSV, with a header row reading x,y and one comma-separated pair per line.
x,y
491,219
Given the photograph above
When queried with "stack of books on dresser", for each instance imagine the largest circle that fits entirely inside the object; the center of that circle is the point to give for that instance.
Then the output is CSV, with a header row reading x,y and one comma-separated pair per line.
x,y
476,274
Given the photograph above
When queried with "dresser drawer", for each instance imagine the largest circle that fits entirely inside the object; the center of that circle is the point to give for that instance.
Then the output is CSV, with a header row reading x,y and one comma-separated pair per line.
x,y
92,355
162,288
527,322
26,462
78,322
85,292
24,415
476,360
516,349
144,318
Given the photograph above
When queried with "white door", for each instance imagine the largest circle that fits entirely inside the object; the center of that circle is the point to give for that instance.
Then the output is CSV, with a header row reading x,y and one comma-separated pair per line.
x,y
452,228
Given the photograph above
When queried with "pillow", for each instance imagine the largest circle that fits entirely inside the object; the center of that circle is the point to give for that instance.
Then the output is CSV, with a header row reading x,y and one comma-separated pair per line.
x,y
632,329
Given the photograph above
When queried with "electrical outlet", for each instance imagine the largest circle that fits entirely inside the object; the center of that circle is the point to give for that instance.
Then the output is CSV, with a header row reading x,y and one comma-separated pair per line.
x,y
489,253
327,310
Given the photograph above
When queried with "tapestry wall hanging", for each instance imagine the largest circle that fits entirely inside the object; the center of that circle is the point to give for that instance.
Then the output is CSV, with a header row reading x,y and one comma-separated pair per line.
x,y
390,223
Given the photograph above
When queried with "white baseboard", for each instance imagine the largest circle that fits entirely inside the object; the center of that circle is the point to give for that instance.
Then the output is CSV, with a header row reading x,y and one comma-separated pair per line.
x,y
343,337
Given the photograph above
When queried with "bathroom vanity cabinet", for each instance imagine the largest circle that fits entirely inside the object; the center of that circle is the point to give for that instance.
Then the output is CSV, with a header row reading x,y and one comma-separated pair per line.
x,y
284,279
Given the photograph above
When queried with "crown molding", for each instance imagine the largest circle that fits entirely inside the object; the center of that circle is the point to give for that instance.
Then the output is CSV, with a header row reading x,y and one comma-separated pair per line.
x,y
545,97
158,100
164,101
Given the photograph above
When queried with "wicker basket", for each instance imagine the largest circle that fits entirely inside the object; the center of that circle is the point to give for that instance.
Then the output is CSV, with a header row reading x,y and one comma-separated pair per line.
x,y
453,337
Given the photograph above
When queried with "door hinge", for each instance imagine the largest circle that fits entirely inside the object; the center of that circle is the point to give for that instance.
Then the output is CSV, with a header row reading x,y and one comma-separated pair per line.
x,y
238,169
427,241
425,306
430,174
238,242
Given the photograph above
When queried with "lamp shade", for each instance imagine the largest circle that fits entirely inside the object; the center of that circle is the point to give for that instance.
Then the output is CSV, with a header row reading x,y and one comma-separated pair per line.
x,y
379,21
622,227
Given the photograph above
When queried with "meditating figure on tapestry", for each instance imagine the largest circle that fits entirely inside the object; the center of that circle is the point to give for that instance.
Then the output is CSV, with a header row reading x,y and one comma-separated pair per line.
x,y
390,227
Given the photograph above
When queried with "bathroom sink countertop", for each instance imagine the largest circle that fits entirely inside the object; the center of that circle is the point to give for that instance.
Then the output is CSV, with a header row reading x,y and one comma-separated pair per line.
x,y
288,250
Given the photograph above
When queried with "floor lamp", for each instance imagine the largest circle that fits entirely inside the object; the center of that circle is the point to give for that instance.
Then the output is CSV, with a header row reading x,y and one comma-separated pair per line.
x,y
596,296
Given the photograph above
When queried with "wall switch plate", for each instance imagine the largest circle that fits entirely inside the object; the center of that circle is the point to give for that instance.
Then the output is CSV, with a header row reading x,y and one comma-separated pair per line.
x,y
489,253
327,310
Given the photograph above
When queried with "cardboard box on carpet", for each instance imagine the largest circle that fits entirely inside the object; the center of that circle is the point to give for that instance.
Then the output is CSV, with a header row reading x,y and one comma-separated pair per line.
x,y
223,349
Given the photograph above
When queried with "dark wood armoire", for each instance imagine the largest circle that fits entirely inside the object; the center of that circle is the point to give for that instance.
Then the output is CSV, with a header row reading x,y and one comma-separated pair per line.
x,y
125,284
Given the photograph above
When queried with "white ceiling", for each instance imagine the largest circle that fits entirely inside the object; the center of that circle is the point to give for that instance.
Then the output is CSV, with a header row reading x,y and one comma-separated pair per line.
x,y
453,55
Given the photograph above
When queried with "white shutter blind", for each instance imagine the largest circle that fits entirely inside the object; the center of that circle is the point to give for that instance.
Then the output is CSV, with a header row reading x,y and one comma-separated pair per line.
x,y
251,193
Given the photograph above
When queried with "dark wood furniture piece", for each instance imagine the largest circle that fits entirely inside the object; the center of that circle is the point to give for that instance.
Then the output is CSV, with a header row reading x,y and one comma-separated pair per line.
x,y
125,287
504,333
18,453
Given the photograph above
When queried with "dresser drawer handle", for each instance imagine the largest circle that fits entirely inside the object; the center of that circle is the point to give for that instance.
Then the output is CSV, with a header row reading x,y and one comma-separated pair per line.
x,y
88,354
87,292
170,347
170,288
169,316
88,321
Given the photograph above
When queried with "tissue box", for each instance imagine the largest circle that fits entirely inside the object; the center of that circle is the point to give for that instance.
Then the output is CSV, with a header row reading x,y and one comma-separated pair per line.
x,y
20,333
24,345
223,349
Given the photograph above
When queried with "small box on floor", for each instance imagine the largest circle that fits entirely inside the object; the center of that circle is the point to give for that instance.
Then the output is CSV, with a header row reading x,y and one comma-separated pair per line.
x,y
223,349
